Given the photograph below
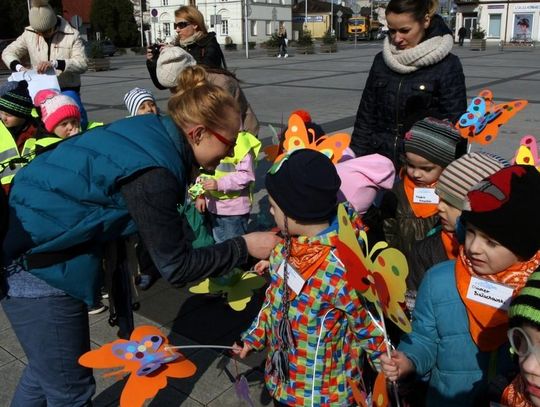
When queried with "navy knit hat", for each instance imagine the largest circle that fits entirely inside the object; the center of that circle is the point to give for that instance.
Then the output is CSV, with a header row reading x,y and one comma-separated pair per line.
x,y
17,102
505,207
305,187
435,140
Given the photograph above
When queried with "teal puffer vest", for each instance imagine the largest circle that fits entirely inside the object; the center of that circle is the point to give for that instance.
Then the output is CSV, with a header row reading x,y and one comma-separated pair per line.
x,y
71,194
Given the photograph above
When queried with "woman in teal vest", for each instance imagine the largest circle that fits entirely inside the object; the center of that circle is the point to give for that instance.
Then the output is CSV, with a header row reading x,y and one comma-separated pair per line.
x,y
98,186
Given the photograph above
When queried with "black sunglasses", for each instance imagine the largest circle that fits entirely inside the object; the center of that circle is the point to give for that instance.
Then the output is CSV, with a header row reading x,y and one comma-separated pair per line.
x,y
181,24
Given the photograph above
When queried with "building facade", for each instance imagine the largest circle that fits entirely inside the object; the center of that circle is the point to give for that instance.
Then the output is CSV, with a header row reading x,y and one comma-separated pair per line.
x,y
501,20
264,18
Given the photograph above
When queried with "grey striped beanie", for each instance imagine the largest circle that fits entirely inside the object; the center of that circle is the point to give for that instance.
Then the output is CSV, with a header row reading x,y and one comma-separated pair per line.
x,y
435,140
135,98
462,174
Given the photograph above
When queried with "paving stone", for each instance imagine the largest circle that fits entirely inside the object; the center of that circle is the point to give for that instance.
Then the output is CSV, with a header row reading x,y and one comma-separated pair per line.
x,y
211,380
257,390
6,357
9,342
9,377
4,322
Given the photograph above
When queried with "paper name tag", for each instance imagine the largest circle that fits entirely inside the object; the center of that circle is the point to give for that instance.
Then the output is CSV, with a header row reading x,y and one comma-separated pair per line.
x,y
425,195
294,280
489,293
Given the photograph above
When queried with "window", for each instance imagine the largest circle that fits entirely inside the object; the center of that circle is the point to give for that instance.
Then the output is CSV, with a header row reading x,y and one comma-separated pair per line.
x,y
167,29
268,28
224,27
193,3
164,2
253,28
494,30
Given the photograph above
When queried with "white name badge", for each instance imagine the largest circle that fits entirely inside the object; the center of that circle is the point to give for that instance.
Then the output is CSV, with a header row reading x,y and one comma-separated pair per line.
x,y
294,280
425,195
489,293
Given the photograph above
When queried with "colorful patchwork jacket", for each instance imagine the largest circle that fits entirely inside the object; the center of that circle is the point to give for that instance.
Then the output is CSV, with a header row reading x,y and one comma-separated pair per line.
x,y
331,329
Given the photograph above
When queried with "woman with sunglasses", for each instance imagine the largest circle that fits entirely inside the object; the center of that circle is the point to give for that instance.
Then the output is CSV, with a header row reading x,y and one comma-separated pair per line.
x,y
102,185
193,37
414,73
524,336
460,321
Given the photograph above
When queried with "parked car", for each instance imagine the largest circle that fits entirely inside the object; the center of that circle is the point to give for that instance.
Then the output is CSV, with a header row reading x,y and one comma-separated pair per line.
x,y
105,46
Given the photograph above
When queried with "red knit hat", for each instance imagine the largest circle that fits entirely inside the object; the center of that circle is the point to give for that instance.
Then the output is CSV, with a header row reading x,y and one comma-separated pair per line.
x,y
55,108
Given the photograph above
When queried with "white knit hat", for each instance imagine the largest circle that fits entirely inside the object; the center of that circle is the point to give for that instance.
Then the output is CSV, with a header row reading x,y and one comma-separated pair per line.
x,y
171,62
41,16
135,98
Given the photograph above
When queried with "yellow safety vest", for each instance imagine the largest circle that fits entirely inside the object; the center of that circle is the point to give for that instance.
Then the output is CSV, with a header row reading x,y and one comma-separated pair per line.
x,y
246,143
93,125
9,165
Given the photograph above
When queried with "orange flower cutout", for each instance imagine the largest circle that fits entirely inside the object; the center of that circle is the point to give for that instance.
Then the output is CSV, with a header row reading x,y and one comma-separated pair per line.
x,y
147,361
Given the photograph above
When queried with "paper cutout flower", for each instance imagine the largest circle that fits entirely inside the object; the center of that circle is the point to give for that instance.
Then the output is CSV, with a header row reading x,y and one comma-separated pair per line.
x,y
145,359
480,124
238,286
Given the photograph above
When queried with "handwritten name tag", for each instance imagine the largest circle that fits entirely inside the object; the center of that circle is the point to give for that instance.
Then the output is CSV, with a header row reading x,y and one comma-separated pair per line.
x,y
294,280
425,195
489,293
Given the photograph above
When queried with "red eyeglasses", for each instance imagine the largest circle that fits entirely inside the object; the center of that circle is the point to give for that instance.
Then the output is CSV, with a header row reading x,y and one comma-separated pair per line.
x,y
224,140
221,138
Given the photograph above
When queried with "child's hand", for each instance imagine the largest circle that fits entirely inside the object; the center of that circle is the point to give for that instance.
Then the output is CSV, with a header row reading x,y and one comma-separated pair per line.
x,y
262,267
200,204
209,184
241,350
396,367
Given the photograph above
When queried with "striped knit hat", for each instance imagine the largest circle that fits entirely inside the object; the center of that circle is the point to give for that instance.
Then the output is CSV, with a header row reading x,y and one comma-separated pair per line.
x,y
17,102
464,173
435,140
525,307
135,98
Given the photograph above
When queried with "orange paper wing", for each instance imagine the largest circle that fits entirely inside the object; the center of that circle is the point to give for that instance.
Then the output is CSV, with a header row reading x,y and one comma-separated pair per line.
x,y
333,146
380,394
350,253
140,387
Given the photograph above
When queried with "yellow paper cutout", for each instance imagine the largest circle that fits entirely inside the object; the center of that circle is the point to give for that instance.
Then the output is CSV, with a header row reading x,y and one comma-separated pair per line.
x,y
238,286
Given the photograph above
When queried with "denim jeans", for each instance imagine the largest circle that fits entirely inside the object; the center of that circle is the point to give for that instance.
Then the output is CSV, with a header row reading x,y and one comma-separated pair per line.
x,y
54,333
228,226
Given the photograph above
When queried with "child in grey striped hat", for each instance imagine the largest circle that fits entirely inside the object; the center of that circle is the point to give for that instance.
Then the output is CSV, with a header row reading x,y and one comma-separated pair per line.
x,y
140,101
452,187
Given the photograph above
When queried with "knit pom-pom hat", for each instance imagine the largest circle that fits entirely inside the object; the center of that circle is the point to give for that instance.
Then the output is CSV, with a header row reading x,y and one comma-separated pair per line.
x,y
17,101
55,108
41,16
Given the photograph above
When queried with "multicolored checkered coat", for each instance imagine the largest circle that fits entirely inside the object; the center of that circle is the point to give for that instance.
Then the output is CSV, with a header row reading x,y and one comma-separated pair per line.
x,y
331,329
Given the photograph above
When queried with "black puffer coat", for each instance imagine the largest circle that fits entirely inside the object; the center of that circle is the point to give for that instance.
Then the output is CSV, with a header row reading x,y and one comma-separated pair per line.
x,y
392,102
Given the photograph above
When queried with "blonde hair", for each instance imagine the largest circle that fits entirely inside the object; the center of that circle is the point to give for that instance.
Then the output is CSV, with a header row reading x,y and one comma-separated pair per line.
x,y
197,101
193,16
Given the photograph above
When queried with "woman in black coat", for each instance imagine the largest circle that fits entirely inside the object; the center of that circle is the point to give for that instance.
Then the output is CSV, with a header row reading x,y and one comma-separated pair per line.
x,y
415,75
193,37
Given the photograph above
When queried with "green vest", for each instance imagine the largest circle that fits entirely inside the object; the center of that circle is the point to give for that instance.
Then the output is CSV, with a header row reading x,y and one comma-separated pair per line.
x,y
9,152
246,143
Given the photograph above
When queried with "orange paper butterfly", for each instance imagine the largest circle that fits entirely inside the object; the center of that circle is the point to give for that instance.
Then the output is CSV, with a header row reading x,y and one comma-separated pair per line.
x,y
480,124
298,136
147,361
